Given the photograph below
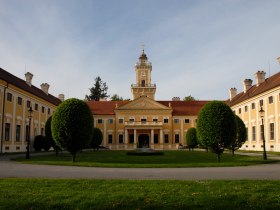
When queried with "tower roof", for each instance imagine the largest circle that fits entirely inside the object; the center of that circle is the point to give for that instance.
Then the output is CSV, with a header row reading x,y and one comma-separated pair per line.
x,y
143,56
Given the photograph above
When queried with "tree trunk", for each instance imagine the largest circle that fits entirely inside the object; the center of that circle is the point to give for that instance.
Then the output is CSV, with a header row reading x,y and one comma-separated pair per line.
x,y
56,152
73,157
219,157
232,152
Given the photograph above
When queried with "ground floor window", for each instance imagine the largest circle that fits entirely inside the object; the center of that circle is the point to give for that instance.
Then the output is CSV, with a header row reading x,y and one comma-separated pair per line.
x,y
7,131
271,127
177,138
261,129
166,138
110,139
27,132
42,131
254,133
18,133
120,138
131,139
155,138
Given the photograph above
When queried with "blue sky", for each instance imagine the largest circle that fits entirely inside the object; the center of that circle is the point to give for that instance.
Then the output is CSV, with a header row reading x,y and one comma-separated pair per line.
x,y
197,47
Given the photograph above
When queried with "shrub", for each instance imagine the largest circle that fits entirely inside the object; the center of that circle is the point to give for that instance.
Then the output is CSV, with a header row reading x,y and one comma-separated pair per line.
x,y
96,138
216,126
39,142
72,125
191,138
49,139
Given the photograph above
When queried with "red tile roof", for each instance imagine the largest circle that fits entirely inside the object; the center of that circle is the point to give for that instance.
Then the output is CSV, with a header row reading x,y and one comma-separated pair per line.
x,y
180,108
11,79
268,84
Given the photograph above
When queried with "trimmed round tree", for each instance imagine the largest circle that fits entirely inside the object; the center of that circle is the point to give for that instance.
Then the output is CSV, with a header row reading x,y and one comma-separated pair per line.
x,y
72,125
39,142
191,138
48,134
216,126
241,135
96,138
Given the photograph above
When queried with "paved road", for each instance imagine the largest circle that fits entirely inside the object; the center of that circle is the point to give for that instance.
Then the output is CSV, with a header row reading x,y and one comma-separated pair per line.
x,y
13,169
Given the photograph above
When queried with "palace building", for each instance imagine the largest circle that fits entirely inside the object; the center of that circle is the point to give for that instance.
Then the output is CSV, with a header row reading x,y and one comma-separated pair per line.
x,y
17,96
144,121
247,104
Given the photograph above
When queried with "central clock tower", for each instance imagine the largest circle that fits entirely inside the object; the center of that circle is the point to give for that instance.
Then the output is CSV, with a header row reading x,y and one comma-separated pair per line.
x,y
143,86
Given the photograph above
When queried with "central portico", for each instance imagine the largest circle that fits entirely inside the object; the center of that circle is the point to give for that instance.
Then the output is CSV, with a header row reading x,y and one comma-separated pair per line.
x,y
144,126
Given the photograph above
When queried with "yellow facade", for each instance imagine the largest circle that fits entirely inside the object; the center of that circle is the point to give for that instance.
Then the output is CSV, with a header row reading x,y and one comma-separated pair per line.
x,y
15,100
265,94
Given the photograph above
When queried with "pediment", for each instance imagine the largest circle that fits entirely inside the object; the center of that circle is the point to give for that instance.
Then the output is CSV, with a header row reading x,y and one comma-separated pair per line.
x,y
143,103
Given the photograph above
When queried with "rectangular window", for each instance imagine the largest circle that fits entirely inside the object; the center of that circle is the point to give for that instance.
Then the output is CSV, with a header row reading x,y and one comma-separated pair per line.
x,y
246,108
99,121
18,133
155,120
155,138
120,139
43,109
19,101
49,111
28,104
253,105
165,120
110,139
36,107
121,121
239,110
177,138
176,121
110,121
254,133
187,121
131,120
7,131
246,133
166,138
143,121
9,97
261,102
270,100
131,139
271,128
42,132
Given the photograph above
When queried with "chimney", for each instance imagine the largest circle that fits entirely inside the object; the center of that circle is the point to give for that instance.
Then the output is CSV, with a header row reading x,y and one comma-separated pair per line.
x,y
61,97
176,99
232,93
260,77
28,78
278,59
247,84
45,87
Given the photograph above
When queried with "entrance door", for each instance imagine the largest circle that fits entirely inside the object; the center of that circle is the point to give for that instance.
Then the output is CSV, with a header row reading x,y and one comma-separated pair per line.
x,y
143,141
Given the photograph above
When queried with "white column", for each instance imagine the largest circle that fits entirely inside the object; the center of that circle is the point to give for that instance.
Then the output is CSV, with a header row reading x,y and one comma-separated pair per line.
x,y
135,138
104,132
161,137
152,136
125,136
14,121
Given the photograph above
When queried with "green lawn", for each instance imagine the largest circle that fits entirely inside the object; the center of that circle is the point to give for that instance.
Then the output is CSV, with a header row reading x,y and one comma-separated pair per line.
x,y
126,194
169,159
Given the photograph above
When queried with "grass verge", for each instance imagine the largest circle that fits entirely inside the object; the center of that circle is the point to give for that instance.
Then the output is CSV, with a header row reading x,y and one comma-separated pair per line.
x,y
126,194
170,159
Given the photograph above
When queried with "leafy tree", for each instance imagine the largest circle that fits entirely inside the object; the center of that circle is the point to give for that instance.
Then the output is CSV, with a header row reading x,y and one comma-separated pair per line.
x,y
48,134
39,142
189,98
97,138
241,135
216,126
191,138
72,125
99,90
116,97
